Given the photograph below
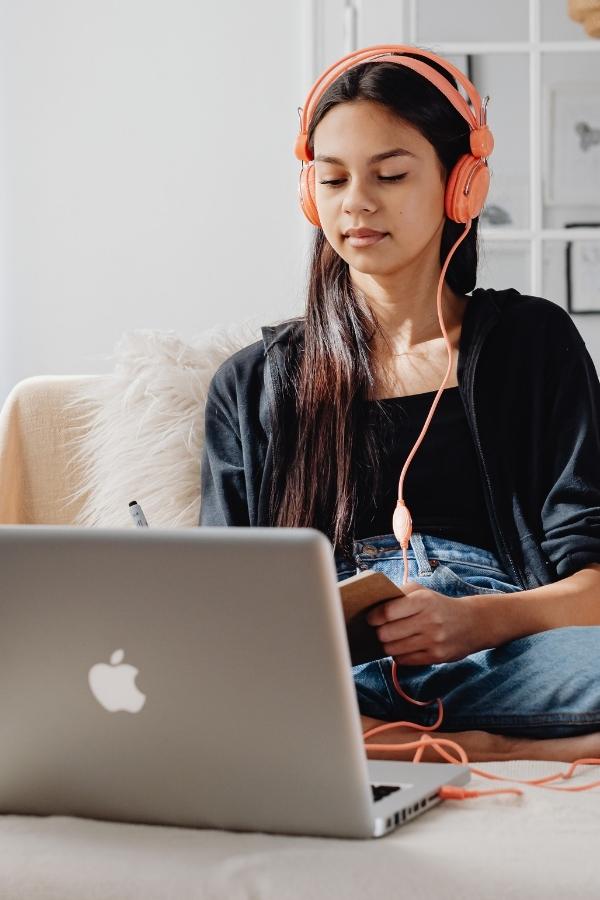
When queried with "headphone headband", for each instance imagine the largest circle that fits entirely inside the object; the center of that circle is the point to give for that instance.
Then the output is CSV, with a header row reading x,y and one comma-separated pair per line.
x,y
482,142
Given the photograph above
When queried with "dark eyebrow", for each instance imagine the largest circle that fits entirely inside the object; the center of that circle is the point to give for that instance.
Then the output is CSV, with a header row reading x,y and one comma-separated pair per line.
x,y
399,151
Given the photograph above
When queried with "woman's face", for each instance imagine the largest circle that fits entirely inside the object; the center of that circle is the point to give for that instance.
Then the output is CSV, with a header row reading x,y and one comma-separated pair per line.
x,y
409,209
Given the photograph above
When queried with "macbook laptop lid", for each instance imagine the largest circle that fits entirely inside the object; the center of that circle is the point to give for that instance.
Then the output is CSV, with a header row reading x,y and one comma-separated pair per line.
x,y
192,677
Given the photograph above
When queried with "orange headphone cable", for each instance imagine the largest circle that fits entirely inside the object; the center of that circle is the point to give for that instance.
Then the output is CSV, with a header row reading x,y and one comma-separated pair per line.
x,y
402,525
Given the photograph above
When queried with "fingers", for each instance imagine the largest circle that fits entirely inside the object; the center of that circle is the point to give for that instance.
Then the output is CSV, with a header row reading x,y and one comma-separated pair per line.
x,y
398,608
412,644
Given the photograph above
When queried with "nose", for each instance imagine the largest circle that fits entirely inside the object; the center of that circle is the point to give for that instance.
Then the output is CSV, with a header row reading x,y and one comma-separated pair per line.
x,y
357,197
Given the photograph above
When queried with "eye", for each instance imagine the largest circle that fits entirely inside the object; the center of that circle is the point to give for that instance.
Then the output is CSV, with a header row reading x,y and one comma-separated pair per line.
x,y
382,178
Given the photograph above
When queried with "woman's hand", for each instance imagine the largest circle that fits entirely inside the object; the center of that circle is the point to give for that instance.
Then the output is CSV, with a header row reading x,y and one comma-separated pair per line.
x,y
425,627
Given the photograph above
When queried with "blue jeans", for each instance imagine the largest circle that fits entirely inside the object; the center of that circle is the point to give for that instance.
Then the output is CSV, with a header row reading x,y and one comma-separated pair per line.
x,y
542,685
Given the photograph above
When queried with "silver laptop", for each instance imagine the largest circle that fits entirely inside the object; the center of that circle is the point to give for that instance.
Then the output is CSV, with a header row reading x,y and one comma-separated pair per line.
x,y
193,677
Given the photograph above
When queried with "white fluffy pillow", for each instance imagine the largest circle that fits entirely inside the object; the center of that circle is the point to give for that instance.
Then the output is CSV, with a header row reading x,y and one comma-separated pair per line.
x,y
142,427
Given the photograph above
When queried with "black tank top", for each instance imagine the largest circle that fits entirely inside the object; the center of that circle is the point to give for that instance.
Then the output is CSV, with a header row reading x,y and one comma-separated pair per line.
x,y
442,487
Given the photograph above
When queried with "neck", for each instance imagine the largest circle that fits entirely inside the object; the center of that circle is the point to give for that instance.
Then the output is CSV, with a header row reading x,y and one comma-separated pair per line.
x,y
405,304
409,325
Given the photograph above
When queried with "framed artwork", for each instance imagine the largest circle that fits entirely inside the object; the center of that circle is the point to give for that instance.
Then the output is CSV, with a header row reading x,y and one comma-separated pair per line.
x,y
583,272
573,160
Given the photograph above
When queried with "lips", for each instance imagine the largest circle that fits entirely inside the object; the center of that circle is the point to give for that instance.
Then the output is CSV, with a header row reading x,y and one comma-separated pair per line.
x,y
363,232
366,240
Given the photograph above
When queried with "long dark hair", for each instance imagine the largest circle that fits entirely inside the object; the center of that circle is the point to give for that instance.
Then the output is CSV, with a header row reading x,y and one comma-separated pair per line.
x,y
314,475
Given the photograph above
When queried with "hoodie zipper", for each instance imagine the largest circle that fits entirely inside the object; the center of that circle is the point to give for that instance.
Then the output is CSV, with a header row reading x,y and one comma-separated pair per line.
x,y
489,498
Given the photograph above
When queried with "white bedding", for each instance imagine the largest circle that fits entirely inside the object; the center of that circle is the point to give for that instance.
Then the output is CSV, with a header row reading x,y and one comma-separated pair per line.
x,y
542,845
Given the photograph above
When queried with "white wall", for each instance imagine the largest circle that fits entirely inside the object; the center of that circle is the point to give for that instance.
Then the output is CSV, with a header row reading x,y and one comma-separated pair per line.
x,y
148,172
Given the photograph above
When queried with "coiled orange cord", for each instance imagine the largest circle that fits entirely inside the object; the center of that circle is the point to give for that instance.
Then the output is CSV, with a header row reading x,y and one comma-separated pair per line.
x,y
450,792
402,526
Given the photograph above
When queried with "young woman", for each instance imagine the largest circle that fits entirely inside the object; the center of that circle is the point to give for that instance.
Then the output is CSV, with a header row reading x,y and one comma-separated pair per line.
x,y
311,426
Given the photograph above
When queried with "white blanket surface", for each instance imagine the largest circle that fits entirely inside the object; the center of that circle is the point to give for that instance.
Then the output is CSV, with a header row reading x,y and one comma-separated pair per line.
x,y
541,845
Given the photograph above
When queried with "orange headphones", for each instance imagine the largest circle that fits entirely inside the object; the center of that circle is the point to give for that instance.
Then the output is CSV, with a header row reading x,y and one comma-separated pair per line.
x,y
466,188
469,181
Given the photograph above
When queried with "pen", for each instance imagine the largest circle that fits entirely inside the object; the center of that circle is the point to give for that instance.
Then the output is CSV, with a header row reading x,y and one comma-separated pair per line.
x,y
137,514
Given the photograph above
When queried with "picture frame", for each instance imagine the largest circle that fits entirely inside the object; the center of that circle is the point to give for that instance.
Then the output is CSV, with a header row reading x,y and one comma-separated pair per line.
x,y
573,159
583,272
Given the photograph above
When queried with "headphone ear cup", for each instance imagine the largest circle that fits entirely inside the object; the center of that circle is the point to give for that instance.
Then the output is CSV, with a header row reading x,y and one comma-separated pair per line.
x,y
307,194
461,208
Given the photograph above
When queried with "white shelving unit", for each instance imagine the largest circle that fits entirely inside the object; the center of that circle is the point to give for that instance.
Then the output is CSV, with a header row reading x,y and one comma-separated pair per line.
x,y
401,21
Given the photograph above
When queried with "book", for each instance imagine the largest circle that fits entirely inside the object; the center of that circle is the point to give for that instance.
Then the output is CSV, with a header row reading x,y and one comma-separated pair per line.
x,y
359,594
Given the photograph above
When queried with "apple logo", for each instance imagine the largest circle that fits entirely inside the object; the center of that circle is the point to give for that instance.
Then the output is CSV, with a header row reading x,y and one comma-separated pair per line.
x,y
113,686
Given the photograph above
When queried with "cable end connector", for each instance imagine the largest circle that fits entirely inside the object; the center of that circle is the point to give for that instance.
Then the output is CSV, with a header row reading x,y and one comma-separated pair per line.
x,y
450,792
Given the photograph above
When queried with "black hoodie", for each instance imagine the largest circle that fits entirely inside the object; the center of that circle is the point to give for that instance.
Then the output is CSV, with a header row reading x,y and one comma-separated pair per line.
x,y
532,399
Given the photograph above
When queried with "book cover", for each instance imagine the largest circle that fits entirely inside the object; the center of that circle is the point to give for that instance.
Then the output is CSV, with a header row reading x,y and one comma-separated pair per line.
x,y
359,594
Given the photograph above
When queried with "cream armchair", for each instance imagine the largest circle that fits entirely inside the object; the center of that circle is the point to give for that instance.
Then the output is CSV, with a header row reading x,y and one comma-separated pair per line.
x,y
37,472
74,450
